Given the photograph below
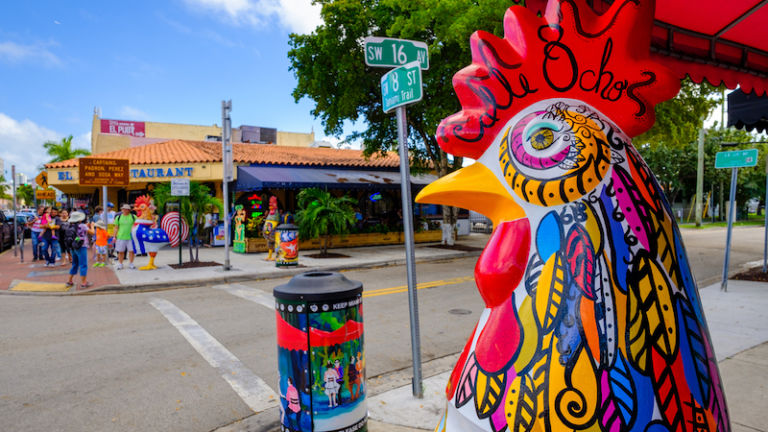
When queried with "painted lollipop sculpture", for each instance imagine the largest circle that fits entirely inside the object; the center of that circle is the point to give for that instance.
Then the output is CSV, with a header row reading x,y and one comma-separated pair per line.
x,y
173,225
593,319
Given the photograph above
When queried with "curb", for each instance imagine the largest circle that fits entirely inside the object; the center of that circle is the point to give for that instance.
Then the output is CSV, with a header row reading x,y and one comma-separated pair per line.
x,y
243,277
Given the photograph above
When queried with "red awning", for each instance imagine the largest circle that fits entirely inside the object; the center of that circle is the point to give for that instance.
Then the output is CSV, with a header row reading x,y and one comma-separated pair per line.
x,y
720,41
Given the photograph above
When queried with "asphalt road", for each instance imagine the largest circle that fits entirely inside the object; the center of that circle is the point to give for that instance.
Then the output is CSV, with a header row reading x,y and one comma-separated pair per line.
x,y
198,358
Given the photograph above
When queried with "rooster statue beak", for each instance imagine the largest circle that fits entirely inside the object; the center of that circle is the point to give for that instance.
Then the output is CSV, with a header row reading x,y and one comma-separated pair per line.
x,y
474,188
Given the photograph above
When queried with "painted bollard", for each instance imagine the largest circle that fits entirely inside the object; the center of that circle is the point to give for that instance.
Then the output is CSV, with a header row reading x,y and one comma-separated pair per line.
x,y
321,358
287,245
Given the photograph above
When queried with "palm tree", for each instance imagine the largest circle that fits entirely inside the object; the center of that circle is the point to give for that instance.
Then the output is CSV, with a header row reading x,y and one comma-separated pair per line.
x,y
26,193
4,195
322,214
61,151
192,207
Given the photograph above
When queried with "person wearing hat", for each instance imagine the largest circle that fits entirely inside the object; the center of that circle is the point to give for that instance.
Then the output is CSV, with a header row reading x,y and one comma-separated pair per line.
x,y
79,249
122,233
102,238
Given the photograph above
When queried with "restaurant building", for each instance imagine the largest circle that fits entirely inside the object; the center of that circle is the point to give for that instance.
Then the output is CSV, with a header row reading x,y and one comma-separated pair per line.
x,y
263,170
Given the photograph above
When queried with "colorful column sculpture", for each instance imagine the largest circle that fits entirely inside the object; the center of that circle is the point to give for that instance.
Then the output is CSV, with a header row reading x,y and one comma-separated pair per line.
x,y
593,319
270,223
238,242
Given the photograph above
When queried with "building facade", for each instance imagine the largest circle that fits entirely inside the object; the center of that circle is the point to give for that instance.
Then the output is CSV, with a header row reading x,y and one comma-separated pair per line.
x,y
108,135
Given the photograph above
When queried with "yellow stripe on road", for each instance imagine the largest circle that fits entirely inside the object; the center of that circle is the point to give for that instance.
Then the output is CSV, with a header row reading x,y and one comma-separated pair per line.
x,y
404,288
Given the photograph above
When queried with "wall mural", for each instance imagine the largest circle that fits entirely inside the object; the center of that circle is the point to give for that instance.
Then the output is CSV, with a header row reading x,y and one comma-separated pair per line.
x,y
593,319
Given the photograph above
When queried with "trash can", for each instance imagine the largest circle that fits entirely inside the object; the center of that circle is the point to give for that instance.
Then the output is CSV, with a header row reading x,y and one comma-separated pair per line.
x,y
321,357
287,244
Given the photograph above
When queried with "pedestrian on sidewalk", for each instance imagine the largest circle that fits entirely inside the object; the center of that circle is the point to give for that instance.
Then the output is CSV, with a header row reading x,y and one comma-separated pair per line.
x,y
122,233
65,246
50,224
36,229
102,238
80,250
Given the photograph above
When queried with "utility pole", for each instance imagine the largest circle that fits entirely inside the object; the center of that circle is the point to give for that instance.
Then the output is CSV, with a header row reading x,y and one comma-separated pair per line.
x,y
226,145
700,177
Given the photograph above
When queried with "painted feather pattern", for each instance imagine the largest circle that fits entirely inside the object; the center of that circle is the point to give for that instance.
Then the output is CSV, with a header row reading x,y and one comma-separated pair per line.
x,y
593,319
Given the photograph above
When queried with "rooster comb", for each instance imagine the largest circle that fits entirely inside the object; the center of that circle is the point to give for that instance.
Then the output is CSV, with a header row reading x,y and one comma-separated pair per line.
x,y
569,52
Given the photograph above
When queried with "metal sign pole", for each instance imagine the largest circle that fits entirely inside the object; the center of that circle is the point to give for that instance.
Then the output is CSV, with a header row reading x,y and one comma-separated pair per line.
x,y
731,210
15,240
178,221
226,107
405,191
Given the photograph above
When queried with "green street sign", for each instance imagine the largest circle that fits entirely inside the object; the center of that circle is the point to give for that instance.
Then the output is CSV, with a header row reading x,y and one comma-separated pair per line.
x,y
389,52
401,86
736,159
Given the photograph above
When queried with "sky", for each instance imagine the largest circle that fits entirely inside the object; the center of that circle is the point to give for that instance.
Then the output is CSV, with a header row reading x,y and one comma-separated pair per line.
x,y
165,61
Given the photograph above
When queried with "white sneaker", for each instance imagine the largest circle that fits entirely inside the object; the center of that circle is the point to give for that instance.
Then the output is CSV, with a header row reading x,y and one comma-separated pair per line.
x,y
119,267
131,266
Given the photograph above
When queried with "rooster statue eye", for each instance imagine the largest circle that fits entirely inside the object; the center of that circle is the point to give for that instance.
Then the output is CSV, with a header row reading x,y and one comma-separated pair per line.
x,y
555,154
542,136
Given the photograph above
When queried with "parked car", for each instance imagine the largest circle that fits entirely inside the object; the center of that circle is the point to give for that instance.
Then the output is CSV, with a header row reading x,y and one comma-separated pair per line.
x,y
6,231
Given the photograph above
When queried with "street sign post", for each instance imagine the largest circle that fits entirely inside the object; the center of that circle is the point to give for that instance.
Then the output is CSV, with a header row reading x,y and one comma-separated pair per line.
x,y
180,187
401,86
734,160
389,52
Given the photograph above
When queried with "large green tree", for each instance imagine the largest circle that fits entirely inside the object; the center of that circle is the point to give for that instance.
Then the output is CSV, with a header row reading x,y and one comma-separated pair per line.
x,y
330,68
62,150
4,188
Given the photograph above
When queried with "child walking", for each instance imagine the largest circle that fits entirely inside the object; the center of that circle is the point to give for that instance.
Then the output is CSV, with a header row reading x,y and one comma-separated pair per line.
x,y
102,239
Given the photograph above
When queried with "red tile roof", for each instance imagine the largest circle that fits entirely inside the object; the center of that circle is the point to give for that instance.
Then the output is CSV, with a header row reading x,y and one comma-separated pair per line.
x,y
182,151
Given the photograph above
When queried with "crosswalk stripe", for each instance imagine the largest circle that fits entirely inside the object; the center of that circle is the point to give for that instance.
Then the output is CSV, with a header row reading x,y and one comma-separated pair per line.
x,y
251,294
249,386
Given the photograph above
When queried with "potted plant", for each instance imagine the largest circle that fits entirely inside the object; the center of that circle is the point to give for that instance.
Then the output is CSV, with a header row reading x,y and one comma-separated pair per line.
x,y
322,215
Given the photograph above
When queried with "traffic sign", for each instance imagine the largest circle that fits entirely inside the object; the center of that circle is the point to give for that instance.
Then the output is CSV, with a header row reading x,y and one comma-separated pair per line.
x,y
401,86
45,194
42,179
736,159
389,52
180,187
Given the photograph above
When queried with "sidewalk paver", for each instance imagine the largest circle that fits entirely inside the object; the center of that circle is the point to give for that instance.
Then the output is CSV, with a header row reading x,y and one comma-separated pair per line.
x,y
34,277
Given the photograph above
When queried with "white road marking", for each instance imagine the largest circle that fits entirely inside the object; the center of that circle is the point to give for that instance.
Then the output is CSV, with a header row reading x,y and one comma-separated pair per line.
x,y
251,294
252,389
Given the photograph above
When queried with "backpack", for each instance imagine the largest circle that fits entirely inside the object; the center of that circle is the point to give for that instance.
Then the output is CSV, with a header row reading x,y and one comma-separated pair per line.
x,y
70,238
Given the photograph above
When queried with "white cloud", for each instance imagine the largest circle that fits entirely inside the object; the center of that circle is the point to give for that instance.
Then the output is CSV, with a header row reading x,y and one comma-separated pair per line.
x,y
131,113
21,144
299,16
12,52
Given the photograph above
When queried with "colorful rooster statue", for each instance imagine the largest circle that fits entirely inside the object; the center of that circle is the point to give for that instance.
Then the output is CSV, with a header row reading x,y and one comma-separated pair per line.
x,y
593,320
147,237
